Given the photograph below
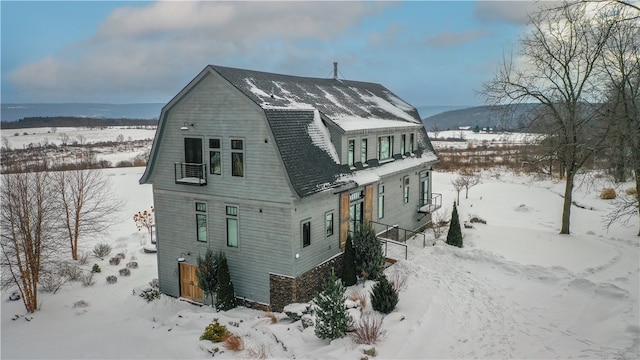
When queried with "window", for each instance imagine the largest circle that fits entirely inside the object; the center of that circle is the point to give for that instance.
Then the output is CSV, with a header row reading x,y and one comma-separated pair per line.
x,y
193,150
237,158
385,147
306,234
232,226
380,201
410,143
406,189
215,165
201,222
329,223
363,151
403,147
351,155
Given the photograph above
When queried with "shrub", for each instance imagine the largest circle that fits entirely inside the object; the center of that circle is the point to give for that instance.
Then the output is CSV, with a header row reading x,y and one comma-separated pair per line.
x,y
349,264
80,304
368,252
454,236
154,283
101,250
383,296
215,332
368,330
358,295
150,294
226,299
114,261
332,319
51,282
398,281
71,271
96,268
258,352
132,265
207,274
234,343
608,194
632,191
112,279
83,258
87,279
124,272
121,256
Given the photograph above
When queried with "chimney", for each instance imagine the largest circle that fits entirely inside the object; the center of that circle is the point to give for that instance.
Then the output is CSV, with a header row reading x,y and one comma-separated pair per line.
x,y
335,70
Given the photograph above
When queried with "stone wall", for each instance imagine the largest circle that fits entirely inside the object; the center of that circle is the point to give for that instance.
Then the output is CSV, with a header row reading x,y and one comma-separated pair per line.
x,y
286,290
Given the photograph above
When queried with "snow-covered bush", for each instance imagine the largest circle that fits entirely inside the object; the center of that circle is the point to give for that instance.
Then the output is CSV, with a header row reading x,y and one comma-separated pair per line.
x,y
114,261
368,252
50,282
87,279
368,330
132,265
124,272
112,279
96,268
215,332
121,255
384,297
101,250
150,294
608,194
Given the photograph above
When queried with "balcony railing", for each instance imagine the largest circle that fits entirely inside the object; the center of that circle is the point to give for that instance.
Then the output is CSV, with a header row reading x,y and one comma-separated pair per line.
x,y
428,206
191,174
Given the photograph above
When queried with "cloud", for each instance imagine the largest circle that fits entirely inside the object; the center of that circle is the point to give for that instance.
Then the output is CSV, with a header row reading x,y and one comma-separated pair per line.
x,y
452,39
154,50
514,12
387,38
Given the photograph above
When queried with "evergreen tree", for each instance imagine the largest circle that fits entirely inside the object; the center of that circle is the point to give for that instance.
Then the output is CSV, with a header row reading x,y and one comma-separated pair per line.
x,y
207,274
368,252
226,298
349,264
384,297
454,236
332,319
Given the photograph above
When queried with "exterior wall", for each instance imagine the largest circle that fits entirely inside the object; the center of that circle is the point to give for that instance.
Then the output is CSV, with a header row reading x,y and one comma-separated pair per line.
x,y
263,196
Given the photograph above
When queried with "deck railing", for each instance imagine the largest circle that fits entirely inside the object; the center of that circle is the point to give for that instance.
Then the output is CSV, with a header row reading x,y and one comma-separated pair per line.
x,y
428,206
191,174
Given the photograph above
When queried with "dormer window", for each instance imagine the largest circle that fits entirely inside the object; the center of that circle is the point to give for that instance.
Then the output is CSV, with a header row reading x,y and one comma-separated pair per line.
x,y
403,144
363,151
385,147
352,152
411,143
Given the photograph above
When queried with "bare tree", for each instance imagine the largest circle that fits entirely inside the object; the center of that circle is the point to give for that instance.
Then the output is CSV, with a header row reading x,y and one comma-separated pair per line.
x,y
558,60
469,180
28,232
87,204
458,185
64,139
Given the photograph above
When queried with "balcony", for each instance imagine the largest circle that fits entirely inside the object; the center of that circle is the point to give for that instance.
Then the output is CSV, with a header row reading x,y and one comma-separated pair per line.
x,y
191,174
428,206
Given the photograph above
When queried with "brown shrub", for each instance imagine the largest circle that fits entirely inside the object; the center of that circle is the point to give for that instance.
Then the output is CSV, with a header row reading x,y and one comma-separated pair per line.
x,y
368,330
358,296
608,194
234,343
632,191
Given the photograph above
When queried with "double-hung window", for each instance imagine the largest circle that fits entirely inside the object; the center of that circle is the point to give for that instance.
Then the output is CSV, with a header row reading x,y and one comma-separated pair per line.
x,y
403,144
380,201
411,143
306,233
215,164
385,147
237,158
232,226
201,221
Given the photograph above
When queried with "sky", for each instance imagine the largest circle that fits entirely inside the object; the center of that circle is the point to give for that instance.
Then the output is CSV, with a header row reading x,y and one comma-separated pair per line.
x,y
430,53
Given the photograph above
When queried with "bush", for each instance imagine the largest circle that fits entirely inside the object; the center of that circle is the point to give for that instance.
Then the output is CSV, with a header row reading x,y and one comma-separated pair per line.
x,y
226,299
150,294
368,252
234,343
384,298
454,236
398,281
132,265
632,191
349,264
112,279
114,261
80,304
332,319
368,330
207,274
608,194
215,332
51,282
101,250
87,279
83,258
358,296
71,271
121,256
96,268
124,272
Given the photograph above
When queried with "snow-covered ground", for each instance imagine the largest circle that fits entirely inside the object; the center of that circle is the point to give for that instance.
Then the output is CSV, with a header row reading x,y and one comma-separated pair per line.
x,y
465,138
22,138
516,290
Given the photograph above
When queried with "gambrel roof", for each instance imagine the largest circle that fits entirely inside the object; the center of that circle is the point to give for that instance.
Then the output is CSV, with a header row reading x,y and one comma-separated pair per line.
x,y
299,111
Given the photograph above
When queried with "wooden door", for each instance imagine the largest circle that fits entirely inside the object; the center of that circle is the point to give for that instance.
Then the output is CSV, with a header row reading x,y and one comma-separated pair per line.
x,y
189,283
344,218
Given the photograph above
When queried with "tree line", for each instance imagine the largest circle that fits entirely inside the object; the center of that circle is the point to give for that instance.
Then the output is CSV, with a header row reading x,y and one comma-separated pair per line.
x,y
72,121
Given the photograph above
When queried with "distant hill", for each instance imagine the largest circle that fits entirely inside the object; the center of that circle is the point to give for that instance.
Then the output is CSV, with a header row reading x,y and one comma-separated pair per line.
x,y
508,117
426,111
69,121
15,112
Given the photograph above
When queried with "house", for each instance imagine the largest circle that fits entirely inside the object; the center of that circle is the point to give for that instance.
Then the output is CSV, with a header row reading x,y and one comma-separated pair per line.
x,y
275,171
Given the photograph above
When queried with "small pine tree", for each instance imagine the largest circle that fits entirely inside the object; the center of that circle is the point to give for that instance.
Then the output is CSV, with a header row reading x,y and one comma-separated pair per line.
x,y
368,252
226,299
454,236
384,297
349,264
332,319
207,274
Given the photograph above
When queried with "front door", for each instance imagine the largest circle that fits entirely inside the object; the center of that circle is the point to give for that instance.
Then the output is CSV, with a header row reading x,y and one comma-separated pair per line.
x,y
189,283
193,150
425,196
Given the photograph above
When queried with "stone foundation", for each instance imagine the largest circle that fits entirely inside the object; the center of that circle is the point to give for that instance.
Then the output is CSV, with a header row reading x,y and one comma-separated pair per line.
x,y
286,290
